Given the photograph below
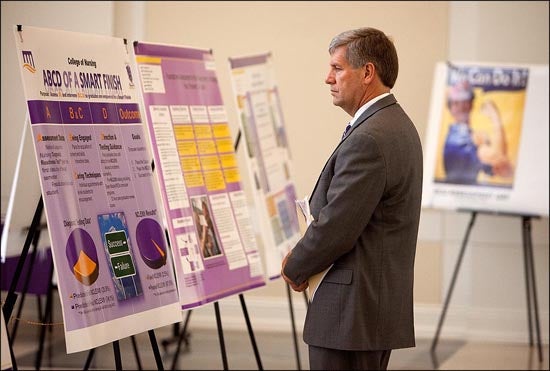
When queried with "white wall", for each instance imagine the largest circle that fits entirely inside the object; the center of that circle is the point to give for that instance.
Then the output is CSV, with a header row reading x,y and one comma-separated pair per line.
x,y
298,33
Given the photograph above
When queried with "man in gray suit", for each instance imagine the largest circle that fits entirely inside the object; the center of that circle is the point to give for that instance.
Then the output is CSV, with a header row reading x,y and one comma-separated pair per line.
x,y
366,210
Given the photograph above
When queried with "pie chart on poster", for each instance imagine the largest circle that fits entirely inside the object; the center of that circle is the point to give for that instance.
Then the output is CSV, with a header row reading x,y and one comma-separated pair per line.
x,y
150,241
82,256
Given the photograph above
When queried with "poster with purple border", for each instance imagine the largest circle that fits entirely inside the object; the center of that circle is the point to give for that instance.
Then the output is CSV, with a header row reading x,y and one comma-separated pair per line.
x,y
211,234
109,248
268,155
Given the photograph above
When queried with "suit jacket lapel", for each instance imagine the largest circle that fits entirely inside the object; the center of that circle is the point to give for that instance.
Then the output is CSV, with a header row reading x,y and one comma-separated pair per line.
x,y
377,106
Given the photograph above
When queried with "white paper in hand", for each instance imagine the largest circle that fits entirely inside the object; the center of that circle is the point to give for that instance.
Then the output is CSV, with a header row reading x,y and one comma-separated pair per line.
x,y
304,219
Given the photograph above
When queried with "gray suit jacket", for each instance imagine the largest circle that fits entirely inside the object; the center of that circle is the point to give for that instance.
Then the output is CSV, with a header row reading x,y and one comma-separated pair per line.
x,y
366,206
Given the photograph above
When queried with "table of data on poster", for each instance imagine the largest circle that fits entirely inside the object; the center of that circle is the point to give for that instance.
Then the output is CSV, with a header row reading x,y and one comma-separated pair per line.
x,y
211,234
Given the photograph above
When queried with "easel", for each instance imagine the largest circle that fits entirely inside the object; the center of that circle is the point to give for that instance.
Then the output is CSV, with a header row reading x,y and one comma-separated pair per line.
x,y
183,336
41,270
183,333
530,281
11,296
219,322
33,252
289,293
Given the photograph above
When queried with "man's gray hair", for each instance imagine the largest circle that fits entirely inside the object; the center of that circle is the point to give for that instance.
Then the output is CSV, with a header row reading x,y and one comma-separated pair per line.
x,y
369,45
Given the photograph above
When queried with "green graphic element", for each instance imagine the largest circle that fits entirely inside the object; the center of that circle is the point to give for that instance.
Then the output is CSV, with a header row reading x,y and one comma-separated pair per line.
x,y
116,242
123,266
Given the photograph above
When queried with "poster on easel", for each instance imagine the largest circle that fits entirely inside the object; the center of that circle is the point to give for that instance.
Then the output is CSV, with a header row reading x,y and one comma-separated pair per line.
x,y
211,234
114,275
487,143
268,155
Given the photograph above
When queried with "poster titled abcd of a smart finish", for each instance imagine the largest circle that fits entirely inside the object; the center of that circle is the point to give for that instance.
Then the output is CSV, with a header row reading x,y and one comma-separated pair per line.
x,y
109,247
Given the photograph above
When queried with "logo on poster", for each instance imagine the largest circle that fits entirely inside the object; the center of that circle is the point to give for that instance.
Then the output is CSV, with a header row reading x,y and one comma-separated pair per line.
x,y
130,78
28,61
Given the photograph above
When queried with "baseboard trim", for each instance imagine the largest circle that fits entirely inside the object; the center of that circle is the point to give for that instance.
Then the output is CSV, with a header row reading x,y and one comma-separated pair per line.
x,y
272,314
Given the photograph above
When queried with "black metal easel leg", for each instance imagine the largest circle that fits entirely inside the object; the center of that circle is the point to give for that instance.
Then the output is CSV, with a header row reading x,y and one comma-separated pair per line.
x,y
11,296
118,359
12,355
527,268
33,254
156,352
182,337
47,316
89,359
530,263
136,352
294,335
174,338
453,280
220,335
251,333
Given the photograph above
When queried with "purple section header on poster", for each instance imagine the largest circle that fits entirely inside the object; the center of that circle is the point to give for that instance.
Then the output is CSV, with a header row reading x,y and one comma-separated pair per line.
x,y
248,61
43,111
170,51
104,113
75,112
128,113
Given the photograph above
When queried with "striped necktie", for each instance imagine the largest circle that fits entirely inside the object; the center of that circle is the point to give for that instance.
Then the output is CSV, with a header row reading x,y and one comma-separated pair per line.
x,y
346,131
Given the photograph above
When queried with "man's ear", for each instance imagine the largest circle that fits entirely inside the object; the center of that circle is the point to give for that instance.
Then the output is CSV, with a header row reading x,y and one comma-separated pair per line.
x,y
370,72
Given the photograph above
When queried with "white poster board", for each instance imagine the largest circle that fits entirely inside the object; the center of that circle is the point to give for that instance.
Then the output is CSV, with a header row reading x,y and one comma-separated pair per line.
x,y
487,143
115,278
268,156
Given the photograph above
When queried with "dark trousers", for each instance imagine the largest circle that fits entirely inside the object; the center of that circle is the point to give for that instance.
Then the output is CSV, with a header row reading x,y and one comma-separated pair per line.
x,y
335,359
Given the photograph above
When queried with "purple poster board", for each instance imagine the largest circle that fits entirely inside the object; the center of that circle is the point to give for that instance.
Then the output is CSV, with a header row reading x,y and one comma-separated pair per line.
x,y
210,230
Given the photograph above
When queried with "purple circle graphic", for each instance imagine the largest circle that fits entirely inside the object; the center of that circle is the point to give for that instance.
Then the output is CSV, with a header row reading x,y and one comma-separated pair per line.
x,y
150,241
82,256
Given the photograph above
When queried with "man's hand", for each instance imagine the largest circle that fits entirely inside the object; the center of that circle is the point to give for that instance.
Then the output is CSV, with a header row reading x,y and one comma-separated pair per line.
x,y
297,288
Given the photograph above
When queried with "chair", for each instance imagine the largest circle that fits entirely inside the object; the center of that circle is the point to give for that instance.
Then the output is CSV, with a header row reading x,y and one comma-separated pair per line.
x,y
35,279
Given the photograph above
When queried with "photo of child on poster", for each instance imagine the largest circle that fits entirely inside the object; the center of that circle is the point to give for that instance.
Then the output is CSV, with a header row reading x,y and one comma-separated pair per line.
x,y
481,126
208,242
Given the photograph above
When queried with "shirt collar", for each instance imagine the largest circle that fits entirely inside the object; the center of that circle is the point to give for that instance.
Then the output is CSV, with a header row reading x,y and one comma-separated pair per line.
x,y
364,107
